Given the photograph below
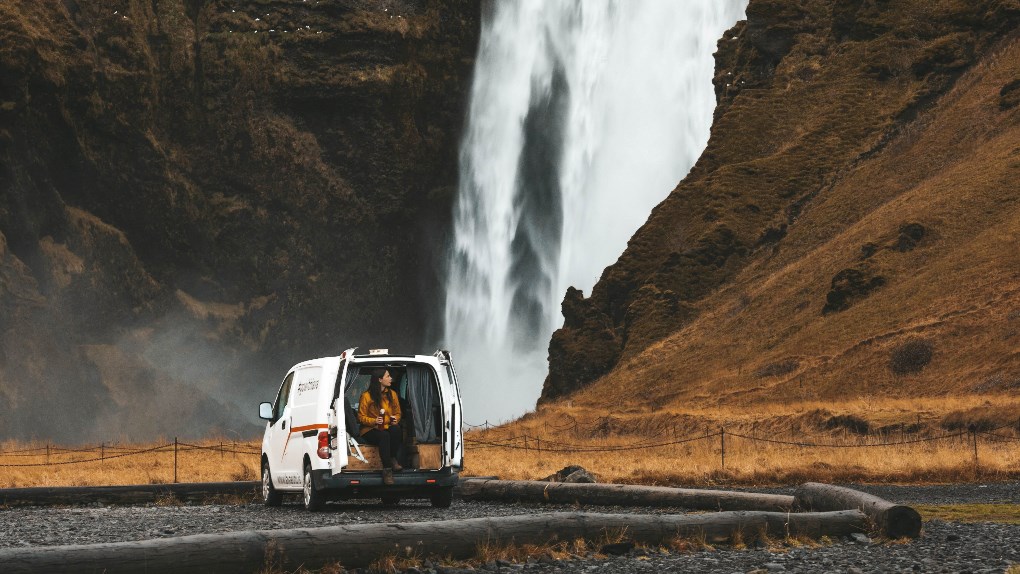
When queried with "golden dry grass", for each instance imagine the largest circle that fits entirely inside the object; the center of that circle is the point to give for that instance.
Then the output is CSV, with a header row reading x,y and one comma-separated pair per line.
x,y
29,464
561,434
627,446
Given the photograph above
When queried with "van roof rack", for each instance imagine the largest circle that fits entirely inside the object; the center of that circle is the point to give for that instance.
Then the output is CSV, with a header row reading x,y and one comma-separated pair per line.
x,y
382,353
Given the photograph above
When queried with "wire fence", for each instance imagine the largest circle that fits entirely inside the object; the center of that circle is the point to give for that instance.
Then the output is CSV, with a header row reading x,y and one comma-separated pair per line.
x,y
599,431
530,442
53,455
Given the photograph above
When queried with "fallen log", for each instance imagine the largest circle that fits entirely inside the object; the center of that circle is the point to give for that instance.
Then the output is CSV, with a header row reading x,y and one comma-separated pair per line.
x,y
133,494
621,495
893,520
359,545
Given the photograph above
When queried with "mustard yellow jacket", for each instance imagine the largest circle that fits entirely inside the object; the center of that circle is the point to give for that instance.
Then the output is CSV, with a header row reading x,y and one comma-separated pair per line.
x,y
368,410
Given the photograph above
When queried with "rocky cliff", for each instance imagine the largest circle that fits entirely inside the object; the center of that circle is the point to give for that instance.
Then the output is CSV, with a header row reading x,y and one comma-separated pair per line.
x,y
850,230
195,194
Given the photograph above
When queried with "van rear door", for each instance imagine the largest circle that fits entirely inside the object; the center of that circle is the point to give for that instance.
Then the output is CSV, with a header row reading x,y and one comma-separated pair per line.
x,y
454,446
340,458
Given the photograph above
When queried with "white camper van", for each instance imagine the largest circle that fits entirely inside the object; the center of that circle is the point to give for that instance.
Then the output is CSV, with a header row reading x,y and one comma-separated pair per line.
x,y
311,443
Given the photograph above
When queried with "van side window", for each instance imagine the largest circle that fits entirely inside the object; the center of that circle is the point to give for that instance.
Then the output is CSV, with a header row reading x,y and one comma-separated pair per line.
x,y
357,385
283,397
400,385
338,385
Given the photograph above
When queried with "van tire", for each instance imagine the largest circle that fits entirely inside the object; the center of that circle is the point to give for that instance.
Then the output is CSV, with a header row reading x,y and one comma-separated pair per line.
x,y
312,498
390,500
270,496
442,498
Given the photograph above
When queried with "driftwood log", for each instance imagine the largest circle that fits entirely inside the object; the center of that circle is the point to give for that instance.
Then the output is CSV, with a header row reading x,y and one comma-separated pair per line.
x,y
622,495
893,520
359,545
135,494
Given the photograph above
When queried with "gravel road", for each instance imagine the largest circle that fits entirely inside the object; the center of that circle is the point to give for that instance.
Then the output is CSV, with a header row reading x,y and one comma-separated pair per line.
x,y
944,546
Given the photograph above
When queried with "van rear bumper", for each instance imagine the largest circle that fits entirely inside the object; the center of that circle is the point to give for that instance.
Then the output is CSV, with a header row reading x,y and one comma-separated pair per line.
x,y
368,484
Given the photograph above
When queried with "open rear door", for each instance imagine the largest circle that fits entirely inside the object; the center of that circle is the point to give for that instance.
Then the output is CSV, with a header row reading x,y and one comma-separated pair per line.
x,y
338,416
455,437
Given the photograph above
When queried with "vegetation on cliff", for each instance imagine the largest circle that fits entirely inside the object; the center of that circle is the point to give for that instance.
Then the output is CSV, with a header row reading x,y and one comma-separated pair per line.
x,y
198,193
849,232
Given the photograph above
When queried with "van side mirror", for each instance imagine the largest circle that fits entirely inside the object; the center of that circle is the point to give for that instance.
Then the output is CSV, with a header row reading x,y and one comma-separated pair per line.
x,y
266,411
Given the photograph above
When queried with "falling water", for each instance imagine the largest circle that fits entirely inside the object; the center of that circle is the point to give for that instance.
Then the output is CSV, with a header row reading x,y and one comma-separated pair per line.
x,y
584,115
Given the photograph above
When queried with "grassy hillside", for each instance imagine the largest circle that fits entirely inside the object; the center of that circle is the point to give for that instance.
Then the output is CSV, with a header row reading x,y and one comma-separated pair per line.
x,y
849,235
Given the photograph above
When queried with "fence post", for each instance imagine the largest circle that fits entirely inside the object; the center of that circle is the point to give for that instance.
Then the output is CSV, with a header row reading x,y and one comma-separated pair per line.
x,y
973,438
722,440
525,443
102,451
175,460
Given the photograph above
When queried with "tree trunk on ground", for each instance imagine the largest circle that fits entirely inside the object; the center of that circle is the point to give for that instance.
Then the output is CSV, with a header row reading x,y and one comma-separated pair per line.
x,y
356,546
622,495
894,520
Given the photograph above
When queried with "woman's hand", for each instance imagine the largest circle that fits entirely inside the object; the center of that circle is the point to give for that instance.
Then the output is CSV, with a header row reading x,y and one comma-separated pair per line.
x,y
379,421
393,420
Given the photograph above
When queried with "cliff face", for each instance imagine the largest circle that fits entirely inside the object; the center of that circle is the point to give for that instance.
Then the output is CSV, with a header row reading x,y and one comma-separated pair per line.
x,y
850,228
195,194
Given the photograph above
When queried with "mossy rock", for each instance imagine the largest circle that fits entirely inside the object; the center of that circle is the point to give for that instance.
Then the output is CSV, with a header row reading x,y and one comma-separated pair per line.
x,y
585,348
653,315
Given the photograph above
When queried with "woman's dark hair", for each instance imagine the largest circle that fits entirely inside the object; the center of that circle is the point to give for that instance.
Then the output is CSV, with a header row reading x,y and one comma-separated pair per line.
x,y
375,386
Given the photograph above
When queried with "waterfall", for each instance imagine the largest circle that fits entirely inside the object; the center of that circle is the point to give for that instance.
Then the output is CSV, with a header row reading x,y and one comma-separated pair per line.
x,y
584,115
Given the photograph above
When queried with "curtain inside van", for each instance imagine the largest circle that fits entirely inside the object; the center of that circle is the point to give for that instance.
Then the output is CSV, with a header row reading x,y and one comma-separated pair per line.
x,y
423,396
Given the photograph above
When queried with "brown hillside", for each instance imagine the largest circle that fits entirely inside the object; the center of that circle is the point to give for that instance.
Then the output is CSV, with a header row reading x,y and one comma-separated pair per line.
x,y
851,232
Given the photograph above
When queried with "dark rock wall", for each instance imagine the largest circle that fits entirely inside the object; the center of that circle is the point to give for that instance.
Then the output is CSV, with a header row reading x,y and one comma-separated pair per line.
x,y
805,91
195,195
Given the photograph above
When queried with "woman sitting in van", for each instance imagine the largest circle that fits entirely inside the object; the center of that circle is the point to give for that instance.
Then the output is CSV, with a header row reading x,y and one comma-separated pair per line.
x,y
379,416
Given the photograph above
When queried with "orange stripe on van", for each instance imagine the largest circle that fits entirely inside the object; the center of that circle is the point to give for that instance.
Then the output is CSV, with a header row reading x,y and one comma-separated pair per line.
x,y
309,427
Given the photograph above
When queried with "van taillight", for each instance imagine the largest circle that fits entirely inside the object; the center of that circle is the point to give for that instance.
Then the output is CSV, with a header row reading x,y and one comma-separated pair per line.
x,y
323,445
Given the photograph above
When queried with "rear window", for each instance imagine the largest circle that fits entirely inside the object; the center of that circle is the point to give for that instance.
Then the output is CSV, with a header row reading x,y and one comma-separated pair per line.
x,y
359,376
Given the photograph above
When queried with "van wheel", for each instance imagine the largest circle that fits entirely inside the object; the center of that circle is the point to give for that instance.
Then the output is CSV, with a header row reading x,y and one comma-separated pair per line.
x,y
390,500
443,497
313,498
270,496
